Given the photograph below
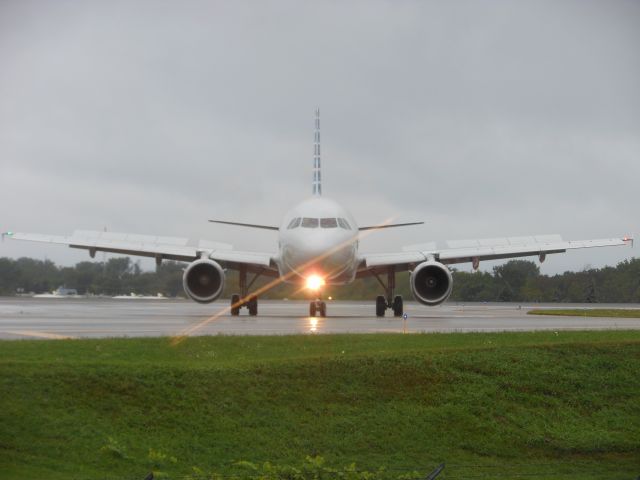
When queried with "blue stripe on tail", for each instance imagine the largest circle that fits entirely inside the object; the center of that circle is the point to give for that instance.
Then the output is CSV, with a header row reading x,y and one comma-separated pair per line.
x,y
317,178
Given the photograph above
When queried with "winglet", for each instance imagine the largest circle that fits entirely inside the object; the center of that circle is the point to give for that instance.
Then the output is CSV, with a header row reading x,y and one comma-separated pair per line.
x,y
628,240
6,234
317,179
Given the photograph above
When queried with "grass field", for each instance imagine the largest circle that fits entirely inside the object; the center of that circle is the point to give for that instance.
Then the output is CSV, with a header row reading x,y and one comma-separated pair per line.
x,y
545,405
589,312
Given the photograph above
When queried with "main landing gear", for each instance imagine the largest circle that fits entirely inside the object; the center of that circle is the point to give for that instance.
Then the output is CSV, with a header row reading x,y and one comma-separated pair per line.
x,y
251,304
244,299
389,300
317,308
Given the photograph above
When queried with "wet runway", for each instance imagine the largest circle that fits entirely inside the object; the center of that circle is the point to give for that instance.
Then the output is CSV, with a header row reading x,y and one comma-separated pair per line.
x,y
76,318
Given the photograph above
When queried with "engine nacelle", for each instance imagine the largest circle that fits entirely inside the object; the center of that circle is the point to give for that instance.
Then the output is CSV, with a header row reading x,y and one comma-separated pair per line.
x,y
203,280
431,283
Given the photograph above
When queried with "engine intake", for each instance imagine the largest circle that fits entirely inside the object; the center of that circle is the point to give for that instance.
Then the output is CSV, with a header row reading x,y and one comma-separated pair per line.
x,y
203,280
431,283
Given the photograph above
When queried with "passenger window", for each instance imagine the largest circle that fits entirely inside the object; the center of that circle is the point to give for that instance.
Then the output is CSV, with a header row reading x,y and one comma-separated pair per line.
x,y
309,222
294,223
344,224
328,223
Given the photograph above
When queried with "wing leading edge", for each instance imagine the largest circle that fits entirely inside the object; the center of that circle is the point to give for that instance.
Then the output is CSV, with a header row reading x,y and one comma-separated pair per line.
x,y
389,225
249,225
161,248
486,249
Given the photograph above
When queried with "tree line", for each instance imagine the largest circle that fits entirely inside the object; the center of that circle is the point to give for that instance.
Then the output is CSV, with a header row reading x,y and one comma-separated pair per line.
x,y
514,281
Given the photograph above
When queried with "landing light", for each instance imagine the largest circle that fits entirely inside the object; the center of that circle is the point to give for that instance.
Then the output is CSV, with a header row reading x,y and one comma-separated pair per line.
x,y
314,282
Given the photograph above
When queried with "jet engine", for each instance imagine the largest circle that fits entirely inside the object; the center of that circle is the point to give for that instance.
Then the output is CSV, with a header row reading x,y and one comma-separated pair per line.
x,y
431,283
203,280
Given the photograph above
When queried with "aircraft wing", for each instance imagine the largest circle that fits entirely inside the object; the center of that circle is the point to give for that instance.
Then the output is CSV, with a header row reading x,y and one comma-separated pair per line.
x,y
170,248
462,251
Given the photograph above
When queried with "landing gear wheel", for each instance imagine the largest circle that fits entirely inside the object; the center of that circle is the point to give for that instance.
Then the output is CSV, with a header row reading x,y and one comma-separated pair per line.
x,y
397,306
235,308
381,306
323,309
312,309
252,304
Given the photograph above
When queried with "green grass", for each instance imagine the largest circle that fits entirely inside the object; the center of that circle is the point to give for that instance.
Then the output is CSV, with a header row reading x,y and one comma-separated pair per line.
x,y
553,405
589,312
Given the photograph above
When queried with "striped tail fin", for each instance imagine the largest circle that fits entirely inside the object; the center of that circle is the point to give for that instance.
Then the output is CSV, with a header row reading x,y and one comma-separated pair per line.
x,y
317,179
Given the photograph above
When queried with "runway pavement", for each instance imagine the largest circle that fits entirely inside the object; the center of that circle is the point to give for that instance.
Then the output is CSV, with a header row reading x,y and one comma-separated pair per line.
x,y
52,318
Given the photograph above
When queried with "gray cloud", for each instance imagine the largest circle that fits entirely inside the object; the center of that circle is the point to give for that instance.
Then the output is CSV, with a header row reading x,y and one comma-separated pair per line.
x,y
485,119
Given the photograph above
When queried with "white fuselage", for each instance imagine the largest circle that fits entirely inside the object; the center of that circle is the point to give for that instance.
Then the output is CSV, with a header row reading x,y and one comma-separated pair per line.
x,y
318,237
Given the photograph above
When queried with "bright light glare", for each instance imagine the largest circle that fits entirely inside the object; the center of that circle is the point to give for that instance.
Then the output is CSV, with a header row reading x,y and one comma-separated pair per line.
x,y
314,282
314,324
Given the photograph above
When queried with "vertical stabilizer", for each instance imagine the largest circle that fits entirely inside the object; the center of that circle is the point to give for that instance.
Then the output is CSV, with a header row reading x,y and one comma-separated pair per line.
x,y
317,178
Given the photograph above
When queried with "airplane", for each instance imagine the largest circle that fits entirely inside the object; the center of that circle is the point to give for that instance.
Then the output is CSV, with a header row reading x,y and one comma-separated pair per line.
x,y
318,244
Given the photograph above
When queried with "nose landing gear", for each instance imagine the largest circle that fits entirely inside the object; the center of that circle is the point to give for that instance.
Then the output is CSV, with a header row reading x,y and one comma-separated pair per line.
x,y
390,301
317,308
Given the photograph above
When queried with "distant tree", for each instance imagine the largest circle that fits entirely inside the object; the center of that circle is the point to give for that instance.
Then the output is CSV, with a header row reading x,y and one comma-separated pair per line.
x,y
170,278
8,277
512,276
534,289
474,287
590,294
516,280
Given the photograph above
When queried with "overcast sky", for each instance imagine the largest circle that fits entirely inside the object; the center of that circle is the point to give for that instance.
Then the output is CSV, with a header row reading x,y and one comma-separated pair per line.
x,y
482,118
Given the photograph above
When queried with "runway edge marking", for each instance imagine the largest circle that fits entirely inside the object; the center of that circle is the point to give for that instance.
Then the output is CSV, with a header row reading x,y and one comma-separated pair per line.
x,y
33,333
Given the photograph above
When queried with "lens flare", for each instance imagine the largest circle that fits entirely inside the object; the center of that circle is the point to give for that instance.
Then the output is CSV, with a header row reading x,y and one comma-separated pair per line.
x,y
314,282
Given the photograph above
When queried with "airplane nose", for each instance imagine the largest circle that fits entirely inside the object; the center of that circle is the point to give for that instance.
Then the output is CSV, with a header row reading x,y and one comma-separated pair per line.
x,y
321,258
329,261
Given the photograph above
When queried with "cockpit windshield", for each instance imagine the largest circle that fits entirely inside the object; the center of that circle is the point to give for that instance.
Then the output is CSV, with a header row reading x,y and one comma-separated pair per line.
x,y
309,222
344,224
328,223
294,223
